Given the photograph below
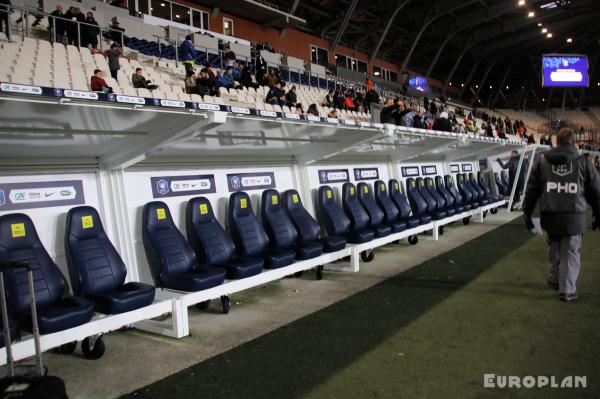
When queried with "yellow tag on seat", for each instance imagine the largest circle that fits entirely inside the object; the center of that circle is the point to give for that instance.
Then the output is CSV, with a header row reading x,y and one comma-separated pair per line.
x,y
329,194
203,209
382,187
351,190
17,230
243,203
422,183
274,200
87,222
366,189
295,198
397,186
414,184
161,214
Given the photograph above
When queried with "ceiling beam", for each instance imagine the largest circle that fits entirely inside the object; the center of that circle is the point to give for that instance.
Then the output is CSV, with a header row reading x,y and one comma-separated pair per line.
x,y
387,29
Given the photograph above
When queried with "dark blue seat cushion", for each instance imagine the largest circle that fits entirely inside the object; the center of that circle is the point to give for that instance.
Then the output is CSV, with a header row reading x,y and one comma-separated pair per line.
x,y
67,313
411,223
129,296
243,266
398,226
438,215
276,258
459,209
383,230
425,219
450,212
308,250
195,280
360,236
333,243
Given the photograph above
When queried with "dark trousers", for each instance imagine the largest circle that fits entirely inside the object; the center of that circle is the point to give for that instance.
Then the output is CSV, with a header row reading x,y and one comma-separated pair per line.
x,y
113,73
4,22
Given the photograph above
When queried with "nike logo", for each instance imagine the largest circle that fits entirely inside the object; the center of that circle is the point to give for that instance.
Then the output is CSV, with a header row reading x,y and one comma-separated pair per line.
x,y
48,195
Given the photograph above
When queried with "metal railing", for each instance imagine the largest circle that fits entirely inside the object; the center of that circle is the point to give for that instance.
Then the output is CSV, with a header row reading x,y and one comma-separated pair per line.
x,y
26,31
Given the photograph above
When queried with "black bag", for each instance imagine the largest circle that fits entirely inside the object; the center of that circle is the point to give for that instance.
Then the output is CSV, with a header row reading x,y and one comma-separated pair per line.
x,y
27,381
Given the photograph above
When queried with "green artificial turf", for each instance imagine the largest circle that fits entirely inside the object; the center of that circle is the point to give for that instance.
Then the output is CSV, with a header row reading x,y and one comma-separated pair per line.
x,y
431,332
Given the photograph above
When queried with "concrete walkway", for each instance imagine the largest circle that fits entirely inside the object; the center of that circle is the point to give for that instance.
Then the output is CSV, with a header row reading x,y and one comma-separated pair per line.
x,y
134,359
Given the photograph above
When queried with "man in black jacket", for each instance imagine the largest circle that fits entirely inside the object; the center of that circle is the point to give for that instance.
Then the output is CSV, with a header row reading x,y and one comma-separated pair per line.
x,y
56,24
512,165
387,113
565,182
442,123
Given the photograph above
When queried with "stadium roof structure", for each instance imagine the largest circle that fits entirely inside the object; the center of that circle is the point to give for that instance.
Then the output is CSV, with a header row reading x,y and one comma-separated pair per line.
x,y
445,39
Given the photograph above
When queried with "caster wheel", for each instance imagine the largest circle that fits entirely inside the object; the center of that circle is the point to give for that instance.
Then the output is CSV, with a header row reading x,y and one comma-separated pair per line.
x,y
494,211
485,213
94,352
203,305
319,272
413,240
226,304
298,274
441,230
466,221
367,256
67,349
346,258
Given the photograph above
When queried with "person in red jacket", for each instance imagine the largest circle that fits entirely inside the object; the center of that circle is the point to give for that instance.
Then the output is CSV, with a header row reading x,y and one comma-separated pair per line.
x,y
99,84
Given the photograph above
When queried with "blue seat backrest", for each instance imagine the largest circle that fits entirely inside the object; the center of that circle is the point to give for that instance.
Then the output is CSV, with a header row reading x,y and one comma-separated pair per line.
x,y
417,202
441,188
399,199
450,186
359,219
208,238
308,228
167,250
249,236
478,186
19,241
473,186
430,184
483,184
366,198
277,224
465,191
432,204
331,214
94,264
384,201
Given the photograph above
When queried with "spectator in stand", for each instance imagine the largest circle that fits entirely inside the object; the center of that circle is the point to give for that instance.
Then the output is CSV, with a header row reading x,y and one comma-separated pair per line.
x,y
312,110
442,123
139,81
299,109
190,83
228,57
99,84
349,104
418,120
188,54
113,55
488,130
370,98
205,85
433,108
245,77
5,10
291,99
209,71
56,24
530,139
261,70
79,27
387,113
329,99
71,25
402,111
226,79
271,78
90,31
116,32
333,114
235,72
276,95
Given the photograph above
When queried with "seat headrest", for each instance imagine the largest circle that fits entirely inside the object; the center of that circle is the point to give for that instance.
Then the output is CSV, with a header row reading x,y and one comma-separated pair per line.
x,y
349,192
83,222
411,184
17,232
239,203
364,191
157,216
201,210
326,195
439,180
292,199
394,186
380,187
271,200
429,182
471,176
